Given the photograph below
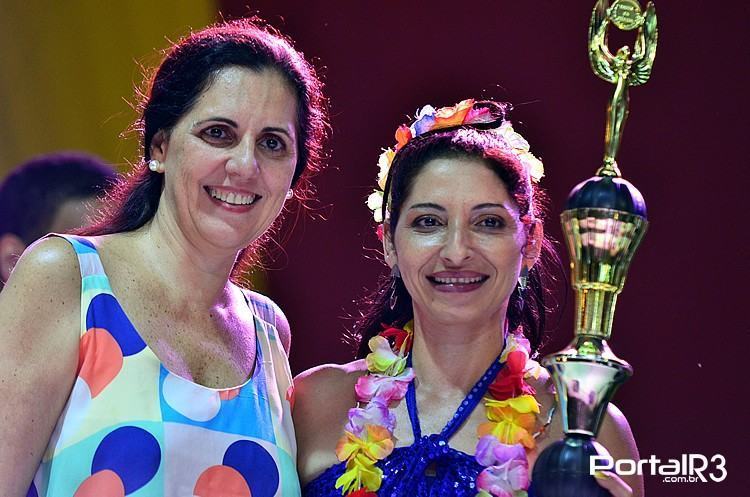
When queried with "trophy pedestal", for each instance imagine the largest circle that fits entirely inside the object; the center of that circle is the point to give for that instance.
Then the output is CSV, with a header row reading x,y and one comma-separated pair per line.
x,y
567,470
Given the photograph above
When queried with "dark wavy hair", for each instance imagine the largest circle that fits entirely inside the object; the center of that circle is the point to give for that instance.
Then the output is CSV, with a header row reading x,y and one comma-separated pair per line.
x,y
33,193
188,69
476,141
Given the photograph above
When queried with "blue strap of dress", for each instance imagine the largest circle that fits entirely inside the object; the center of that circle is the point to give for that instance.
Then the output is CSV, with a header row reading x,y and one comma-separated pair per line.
x,y
463,411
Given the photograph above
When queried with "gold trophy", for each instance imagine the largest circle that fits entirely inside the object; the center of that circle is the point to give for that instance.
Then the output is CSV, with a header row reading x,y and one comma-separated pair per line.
x,y
604,222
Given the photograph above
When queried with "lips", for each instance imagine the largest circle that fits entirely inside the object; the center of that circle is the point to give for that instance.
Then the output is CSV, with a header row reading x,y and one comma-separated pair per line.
x,y
234,200
457,281
232,197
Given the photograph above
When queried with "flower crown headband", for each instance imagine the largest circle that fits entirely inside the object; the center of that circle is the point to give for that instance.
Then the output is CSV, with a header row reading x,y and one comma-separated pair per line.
x,y
428,119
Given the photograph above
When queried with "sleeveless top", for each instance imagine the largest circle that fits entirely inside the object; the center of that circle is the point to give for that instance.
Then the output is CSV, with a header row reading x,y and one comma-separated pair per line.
x,y
429,467
131,427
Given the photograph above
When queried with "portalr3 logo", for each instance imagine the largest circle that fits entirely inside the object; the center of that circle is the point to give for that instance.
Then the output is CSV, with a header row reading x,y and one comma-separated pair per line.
x,y
689,468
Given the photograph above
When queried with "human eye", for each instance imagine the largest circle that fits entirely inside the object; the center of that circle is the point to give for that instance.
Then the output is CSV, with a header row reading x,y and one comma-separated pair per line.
x,y
491,222
426,223
217,134
274,144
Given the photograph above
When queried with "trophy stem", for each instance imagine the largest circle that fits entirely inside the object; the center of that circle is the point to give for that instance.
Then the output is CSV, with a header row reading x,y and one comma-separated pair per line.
x,y
595,310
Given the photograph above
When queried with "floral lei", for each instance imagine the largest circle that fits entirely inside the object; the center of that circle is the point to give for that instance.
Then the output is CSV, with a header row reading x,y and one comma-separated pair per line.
x,y
503,440
462,114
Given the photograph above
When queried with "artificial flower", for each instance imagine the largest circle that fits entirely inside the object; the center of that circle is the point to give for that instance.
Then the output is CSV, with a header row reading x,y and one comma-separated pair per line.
x,y
363,492
375,445
360,474
510,381
514,341
382,388
423,121
534,166
384,164
374,413
511,421
464,113
401,339
508,480
368,435
479,115
447,117
382,360
403,135
375,204
514,140
491,452
507,471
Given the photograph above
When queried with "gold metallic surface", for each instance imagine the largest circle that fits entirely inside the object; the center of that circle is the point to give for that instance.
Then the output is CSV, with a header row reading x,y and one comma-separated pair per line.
x,y
601,244
624,69
602,241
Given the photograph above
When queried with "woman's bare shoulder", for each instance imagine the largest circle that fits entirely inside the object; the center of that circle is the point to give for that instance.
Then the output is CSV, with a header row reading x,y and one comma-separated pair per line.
x,y
320,384
49,268
322,399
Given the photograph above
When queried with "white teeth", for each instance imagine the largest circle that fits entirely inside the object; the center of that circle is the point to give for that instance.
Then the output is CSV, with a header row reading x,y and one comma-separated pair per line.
x,y
232,198
458,281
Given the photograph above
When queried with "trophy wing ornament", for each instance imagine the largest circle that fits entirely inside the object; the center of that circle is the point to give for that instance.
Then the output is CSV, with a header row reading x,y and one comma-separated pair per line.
x,y
645,48
602,60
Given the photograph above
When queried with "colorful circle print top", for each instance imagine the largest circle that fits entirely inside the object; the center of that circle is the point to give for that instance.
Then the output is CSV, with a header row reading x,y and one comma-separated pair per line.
x,y
132,428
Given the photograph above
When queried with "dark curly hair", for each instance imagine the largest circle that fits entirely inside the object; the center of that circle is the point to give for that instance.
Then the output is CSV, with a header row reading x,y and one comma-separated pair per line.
x,y
479,141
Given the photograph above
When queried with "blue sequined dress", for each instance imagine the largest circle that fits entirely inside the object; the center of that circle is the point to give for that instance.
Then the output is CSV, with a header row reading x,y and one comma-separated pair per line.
x,y
429,467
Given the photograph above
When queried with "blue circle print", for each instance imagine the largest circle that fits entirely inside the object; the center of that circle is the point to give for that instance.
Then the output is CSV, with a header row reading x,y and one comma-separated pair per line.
x,y
254,462
32,491
105,312
132,453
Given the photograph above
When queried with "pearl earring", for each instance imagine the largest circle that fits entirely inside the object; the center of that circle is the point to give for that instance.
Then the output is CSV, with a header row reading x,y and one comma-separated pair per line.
x,y
289,194
156,166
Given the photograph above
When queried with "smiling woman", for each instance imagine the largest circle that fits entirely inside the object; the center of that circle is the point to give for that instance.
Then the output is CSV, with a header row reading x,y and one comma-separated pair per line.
x,y
458,322
144,367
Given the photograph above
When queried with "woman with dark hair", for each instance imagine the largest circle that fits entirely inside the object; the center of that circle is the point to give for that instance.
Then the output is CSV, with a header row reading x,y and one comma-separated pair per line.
x,y
457,323
132,362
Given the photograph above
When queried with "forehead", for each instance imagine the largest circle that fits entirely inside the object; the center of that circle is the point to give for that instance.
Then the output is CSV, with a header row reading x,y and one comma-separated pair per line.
x,y
458,180
242,92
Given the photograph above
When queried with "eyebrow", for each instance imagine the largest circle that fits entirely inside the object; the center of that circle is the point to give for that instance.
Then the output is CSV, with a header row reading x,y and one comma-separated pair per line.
x,y
430,205
269,129
220,119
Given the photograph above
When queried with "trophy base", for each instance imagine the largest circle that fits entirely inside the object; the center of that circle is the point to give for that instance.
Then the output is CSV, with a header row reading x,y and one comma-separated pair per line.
x,y
563,469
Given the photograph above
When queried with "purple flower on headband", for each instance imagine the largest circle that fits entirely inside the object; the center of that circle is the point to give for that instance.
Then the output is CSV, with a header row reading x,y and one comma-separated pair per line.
x,y
424,121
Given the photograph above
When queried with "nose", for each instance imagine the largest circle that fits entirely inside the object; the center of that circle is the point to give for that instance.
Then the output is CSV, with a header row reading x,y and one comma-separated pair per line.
x,y
457,248
242,162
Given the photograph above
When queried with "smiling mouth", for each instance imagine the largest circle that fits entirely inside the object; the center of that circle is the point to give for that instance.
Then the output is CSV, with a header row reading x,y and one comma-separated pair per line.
x,y
232,198
440,281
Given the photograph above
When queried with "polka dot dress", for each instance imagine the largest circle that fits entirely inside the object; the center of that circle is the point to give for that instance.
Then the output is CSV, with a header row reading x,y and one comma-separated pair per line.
x,y
132,428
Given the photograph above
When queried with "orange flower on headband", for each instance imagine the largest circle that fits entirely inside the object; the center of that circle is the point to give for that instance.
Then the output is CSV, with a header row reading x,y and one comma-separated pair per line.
x,y
453,116
403,135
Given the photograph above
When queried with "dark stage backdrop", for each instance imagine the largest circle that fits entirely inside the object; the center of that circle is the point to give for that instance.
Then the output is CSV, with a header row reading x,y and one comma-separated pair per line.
x,y
682,320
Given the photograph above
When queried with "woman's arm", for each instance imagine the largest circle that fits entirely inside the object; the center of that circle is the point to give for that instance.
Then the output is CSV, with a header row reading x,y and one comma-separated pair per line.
x,y
617,437
322,399
39,334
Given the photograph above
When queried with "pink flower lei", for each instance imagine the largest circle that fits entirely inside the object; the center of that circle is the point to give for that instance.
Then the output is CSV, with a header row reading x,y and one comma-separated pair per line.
x,y
503,440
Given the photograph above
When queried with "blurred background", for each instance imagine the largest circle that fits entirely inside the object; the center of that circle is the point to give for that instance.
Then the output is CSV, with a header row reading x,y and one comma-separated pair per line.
x,y
68,72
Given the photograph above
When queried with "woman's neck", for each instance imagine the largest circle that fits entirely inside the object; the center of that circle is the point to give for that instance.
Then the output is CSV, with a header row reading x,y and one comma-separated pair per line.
x,y
453,356
194,274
